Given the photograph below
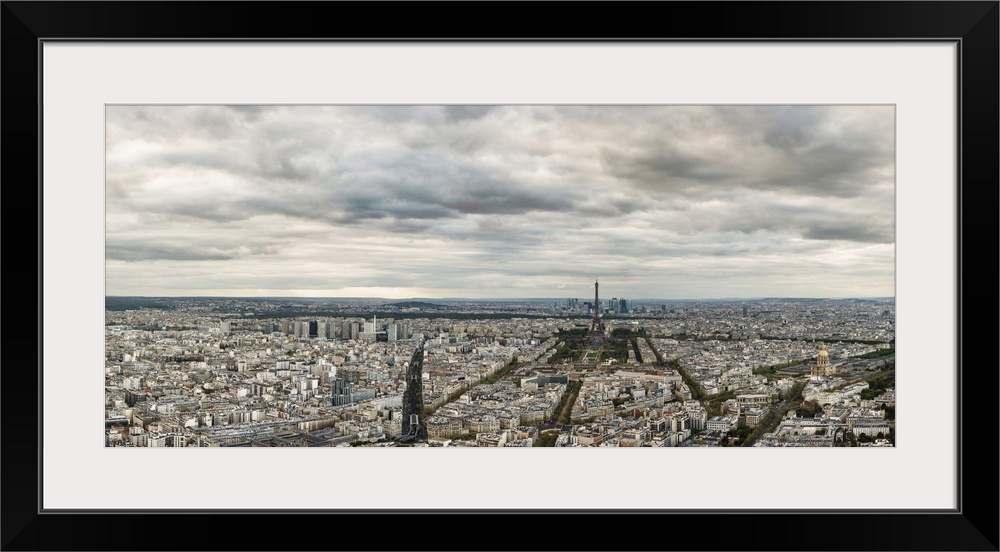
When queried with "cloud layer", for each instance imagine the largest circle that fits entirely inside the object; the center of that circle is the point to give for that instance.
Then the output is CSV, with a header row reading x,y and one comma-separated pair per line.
x,y
500,201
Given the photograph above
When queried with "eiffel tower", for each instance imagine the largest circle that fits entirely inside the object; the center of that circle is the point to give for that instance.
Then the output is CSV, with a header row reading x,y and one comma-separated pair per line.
x,y
596,334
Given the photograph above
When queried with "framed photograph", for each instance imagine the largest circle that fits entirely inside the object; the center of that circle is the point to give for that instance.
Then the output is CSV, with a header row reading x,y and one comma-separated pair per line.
x,y
790,150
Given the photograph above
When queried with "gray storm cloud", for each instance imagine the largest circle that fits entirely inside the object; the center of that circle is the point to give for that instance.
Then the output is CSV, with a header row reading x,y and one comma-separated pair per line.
x,y
451,200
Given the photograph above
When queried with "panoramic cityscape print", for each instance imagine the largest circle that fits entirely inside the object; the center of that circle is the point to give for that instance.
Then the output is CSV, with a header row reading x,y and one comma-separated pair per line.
x,y
500,276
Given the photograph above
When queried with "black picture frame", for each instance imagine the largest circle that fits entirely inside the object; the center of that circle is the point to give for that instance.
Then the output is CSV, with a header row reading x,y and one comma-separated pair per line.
x,y
25,26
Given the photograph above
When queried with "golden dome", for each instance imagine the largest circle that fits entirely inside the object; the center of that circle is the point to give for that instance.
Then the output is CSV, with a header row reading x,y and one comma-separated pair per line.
x,y
822,350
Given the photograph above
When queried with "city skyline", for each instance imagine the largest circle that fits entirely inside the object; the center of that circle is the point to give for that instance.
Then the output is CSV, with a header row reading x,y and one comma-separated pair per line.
x,y
500,202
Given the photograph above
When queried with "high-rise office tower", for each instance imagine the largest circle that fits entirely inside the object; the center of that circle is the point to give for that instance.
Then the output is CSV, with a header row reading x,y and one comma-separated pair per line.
x,y
414,423
341,392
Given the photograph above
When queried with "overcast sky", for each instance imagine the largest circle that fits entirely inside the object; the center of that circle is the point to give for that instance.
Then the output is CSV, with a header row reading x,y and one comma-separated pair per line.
x,y
672,202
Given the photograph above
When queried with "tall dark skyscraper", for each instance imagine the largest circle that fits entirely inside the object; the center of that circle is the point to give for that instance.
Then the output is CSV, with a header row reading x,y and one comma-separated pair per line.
x,y
596,334
414,424
340,392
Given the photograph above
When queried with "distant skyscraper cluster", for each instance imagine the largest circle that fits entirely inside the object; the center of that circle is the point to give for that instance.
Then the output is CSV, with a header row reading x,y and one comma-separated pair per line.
x,y
349,329
617,305
620,306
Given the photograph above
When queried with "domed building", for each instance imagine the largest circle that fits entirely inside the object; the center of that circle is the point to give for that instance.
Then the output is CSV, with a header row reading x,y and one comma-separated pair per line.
x,y
823,367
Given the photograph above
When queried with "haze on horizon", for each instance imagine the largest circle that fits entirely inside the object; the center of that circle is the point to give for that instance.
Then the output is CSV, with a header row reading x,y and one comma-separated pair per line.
x,y
673,202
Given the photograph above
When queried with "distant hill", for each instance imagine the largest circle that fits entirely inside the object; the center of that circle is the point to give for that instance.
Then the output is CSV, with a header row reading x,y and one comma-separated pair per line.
x,y
415,305
133,303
